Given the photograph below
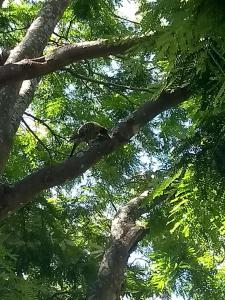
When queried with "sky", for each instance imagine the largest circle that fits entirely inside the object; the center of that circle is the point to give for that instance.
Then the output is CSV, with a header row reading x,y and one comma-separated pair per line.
x,y
128,9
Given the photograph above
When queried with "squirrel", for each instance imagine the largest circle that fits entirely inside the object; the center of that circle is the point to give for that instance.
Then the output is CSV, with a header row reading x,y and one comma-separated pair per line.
x,y
87,133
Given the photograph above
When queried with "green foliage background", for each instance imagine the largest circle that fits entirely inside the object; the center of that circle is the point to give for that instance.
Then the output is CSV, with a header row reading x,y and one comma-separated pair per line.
x,y
52,248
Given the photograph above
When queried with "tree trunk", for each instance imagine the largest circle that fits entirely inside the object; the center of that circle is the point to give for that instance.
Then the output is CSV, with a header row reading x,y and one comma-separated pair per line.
x,y
32,45
125,234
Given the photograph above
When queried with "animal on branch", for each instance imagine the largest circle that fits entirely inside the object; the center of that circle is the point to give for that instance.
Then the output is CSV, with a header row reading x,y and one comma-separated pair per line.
x,y
88,132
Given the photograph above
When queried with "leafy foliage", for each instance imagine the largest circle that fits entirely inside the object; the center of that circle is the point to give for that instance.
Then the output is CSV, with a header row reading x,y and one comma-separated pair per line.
x,y
52,248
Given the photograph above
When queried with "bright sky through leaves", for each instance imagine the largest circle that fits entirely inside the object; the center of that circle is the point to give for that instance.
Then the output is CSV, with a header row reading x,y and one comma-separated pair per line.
x,y
128,10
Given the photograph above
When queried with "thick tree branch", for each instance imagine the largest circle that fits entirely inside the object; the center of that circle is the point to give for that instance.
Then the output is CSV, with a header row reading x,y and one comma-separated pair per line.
x,y
39,32
125,234
25,190
12,105
63,56
24,99
4,54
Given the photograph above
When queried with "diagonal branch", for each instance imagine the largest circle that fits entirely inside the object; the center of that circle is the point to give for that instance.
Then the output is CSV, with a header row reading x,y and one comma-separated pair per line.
x,y
40,30
57,136
126,20
31,45
37,138
63,56
125,235
106,83
25,190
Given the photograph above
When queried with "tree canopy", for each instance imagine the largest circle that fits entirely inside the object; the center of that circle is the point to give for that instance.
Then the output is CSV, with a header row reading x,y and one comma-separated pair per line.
x,y
139,215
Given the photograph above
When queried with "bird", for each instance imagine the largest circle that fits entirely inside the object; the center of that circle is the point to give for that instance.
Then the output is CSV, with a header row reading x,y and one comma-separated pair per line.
x,y
87,133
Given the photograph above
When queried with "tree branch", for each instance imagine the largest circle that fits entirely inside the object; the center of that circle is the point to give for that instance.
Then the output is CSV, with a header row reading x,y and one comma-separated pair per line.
x,y
106,83
125,234
32,45
37,138
69,27
31,68
40,30
25,190
57,136
126,20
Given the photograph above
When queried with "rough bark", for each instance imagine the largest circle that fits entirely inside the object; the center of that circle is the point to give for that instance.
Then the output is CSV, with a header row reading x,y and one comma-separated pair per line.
x,y
32,45
63,56
25,95
13,197
125,234
39,32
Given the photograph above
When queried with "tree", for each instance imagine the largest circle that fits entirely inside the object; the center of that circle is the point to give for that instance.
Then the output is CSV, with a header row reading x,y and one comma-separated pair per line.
x,y
67,62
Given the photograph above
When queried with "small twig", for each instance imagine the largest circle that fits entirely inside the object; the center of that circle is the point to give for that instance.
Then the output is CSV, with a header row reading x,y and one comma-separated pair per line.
x,y
55,43
100,82
13,30
138,259
106,83
113,205
37,138
217,52
127,20
216,62
128,99
69,26
57,136
58,294
59,36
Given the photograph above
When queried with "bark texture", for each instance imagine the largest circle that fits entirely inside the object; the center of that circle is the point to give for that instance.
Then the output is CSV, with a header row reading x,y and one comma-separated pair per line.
x,y
13,197
32,45
125,234
63,56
